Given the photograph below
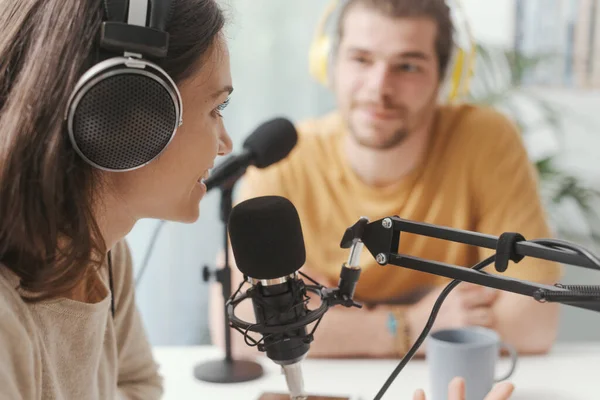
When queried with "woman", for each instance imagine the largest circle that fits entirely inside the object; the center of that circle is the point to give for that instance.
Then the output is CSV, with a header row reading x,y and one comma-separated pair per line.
x,y
60,216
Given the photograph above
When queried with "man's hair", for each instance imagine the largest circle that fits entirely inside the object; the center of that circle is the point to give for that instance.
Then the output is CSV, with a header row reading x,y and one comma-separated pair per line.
x,y
437,10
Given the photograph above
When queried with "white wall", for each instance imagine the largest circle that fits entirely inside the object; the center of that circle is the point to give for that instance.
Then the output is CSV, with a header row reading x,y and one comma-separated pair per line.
x,y
491,21
269,40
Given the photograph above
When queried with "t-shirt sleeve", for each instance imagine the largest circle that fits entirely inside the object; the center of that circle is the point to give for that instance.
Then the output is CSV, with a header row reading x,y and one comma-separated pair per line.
x,y
506,195
138,376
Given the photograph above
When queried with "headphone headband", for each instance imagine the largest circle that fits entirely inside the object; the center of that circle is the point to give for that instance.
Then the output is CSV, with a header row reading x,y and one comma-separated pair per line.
x,y
160,12
143,33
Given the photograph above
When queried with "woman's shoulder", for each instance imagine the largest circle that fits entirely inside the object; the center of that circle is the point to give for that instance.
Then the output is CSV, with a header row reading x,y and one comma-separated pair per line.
x,y
16,320
9,290
19,346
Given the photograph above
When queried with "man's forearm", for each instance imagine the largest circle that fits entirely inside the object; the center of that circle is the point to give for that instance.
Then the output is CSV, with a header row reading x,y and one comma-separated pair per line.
x,y
354,332
529,326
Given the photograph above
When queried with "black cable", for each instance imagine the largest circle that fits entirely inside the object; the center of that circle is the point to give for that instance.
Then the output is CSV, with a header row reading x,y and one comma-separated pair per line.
x,y
563,244
111,284
149,250
434,311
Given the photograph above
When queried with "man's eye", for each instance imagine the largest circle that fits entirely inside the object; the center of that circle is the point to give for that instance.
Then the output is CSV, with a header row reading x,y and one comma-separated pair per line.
x,y
407,67
360,59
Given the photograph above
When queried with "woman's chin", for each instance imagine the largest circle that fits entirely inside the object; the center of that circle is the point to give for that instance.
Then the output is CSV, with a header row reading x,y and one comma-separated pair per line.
x,y
187,213
191,215
184,209
186,218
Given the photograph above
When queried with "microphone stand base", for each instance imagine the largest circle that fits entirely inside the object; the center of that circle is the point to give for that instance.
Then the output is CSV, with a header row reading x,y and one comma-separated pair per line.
x,y
224,371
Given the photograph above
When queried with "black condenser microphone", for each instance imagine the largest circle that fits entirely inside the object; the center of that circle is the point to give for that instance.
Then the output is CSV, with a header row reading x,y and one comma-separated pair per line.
x,y
268,246
269,143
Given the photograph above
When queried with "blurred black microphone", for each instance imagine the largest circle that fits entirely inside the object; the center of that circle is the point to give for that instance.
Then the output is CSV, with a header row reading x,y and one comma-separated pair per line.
x,y
268,246
269,143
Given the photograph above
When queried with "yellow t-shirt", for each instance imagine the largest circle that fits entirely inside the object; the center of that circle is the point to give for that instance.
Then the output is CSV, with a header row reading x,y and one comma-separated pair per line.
x,y
476,176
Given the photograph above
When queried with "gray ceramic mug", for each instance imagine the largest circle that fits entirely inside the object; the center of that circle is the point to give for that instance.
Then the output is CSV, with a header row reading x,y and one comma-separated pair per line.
x,y
471,353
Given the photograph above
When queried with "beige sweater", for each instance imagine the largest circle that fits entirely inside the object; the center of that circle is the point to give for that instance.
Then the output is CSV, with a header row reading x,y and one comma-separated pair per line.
x,y
66,349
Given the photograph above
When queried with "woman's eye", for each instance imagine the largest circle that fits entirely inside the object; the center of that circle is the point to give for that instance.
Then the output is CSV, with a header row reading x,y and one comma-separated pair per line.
x,y
221,107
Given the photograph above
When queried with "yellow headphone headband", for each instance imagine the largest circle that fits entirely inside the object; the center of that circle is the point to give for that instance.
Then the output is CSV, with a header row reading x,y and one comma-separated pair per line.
x,y
321,47
464,63
458,80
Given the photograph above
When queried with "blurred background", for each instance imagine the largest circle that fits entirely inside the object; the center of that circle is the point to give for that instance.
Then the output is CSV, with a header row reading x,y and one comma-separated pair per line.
x,y
537,60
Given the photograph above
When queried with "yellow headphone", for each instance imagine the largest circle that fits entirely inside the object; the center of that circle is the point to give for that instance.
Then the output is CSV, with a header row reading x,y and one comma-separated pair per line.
x,y
463,60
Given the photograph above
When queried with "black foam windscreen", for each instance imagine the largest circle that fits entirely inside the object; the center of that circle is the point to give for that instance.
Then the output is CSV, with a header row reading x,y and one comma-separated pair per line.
x,y
124,121
272,141
266,237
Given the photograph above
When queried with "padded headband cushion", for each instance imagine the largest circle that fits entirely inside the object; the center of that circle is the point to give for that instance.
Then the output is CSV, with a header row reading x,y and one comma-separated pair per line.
x,y
160,12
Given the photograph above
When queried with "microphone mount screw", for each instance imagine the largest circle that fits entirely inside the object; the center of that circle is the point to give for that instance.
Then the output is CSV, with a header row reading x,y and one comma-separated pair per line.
x,y
381,258
387,223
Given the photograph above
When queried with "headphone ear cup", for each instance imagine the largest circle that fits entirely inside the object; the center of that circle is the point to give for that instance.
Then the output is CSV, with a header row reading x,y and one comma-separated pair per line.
x,y
123,114
463,58
318,59
320,50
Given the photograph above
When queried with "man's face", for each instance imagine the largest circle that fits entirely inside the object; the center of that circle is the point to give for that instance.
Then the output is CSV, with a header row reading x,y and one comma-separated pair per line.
x,y
386,76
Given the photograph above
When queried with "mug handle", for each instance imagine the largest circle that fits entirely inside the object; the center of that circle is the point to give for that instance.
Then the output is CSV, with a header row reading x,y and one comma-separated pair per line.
x,y
513,361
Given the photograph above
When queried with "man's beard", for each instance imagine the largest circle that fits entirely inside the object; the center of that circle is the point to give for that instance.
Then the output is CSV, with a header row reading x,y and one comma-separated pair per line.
x,y
398,137
406,123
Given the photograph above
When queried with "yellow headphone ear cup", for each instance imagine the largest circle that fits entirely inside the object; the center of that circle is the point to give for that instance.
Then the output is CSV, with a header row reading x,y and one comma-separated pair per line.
x,y
318,59
464,57
320,47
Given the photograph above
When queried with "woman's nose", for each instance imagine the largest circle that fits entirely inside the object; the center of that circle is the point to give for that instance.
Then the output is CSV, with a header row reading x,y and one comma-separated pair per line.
x,y
225,143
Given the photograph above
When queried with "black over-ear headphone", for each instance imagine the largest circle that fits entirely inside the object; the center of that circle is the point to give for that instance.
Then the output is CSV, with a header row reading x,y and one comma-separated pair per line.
x,y
125,110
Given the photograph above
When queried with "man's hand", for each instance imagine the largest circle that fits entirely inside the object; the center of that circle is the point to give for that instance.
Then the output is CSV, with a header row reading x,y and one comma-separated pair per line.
x,y
456,391
467,304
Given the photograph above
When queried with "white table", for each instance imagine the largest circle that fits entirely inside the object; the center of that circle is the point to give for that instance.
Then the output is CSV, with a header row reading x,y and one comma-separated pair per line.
x,y
568,372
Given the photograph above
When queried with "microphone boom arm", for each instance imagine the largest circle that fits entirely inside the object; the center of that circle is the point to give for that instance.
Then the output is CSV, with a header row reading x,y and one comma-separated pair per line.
x,y
382,239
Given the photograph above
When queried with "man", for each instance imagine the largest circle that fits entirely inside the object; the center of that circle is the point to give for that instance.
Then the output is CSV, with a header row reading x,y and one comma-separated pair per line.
x,y
391,149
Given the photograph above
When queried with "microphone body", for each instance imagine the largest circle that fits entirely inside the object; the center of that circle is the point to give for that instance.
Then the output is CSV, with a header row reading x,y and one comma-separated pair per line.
x,y
278,304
